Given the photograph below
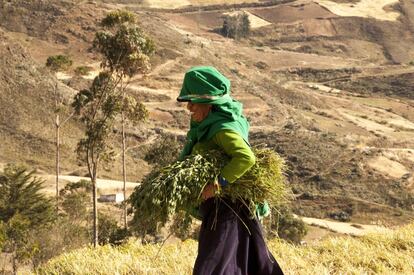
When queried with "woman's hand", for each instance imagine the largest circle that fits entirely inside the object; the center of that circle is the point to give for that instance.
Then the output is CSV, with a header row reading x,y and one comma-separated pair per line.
x,y
209,190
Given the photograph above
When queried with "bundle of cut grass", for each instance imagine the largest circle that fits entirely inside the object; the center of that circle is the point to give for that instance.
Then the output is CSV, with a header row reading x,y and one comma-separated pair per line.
x,y
178,186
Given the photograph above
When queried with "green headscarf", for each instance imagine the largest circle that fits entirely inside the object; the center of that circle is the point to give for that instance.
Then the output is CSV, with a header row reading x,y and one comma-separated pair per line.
x,y
206,85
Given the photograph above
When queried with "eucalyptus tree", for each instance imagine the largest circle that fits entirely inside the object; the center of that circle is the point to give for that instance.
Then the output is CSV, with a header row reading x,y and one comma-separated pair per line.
x,y
125,51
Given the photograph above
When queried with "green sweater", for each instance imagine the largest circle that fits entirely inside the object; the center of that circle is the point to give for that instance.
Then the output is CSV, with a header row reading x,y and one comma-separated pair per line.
x,y
242,157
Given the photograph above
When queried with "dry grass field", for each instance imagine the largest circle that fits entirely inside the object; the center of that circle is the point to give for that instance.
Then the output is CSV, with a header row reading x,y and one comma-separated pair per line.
x,y
389,252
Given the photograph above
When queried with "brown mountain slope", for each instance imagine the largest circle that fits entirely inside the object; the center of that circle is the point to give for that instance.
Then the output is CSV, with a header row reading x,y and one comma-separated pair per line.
x,y
320,33
27,108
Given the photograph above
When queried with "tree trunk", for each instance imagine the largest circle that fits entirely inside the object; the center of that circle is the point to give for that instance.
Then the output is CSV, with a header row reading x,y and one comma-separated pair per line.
x,y
124,170
14,261
57,162
95,211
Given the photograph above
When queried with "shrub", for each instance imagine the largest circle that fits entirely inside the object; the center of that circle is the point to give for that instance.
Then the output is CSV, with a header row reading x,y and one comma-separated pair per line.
x,y
64,235
70,230
236,26
59,62
82,70
164,151
76,200
109,231
285,225
24,210
118,17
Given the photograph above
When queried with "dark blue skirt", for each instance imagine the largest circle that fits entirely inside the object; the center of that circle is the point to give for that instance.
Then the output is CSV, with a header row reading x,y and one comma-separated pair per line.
x,y
231,242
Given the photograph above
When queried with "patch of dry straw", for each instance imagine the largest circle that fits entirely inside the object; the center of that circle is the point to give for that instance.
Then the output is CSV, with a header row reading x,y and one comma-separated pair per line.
x,y
390,252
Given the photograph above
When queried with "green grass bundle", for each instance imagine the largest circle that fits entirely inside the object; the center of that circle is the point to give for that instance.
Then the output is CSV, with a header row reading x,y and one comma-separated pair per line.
x,y
178,186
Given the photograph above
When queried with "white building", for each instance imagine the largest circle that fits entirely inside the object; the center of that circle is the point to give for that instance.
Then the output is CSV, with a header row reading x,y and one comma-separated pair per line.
x,y
117,198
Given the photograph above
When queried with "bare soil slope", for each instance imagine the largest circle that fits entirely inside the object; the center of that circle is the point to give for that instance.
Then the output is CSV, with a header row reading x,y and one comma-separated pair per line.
x,y
27,104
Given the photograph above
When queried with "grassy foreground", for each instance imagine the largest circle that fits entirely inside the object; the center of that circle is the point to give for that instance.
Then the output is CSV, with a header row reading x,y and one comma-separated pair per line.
x,y
390,252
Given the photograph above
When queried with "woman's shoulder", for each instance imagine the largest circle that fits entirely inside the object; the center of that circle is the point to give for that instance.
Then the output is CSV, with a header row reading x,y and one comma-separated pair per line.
x,y
227,135
228,138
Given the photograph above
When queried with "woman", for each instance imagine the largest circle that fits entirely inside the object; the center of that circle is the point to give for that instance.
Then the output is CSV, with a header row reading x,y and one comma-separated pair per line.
x,y
230,241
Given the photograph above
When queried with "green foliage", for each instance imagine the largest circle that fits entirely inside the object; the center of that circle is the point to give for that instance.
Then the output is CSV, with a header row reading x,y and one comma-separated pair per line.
x,y
76,187
124,46
21,194
82,70
59,62
286,226
118,17
70,231
98,108
236,26
411,63
263,182
125,49
23,211
178,186
3,236
133,110
110,232
18,229
164,151
64,235
181,225
76,200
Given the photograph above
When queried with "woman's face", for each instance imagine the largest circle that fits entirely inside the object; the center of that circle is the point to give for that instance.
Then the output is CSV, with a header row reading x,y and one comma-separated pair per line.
x,y
198,111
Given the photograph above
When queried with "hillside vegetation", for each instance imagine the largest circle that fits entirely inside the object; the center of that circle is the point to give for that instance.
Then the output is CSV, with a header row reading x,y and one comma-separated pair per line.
x,y
390,252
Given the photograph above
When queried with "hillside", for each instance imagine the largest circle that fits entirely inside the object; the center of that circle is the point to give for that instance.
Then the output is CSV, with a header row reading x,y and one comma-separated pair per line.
x,y
331,93
27,103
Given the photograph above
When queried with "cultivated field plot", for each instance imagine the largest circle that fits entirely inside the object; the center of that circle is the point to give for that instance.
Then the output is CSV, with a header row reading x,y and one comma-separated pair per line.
x,y
162,4
173,4
219,2
209,20
212,20
292,13
255,21
363,8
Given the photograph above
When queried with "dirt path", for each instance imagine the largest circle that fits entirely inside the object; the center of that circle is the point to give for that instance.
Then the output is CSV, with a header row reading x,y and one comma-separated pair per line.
x,y
159,68
352,229
374,72
104,185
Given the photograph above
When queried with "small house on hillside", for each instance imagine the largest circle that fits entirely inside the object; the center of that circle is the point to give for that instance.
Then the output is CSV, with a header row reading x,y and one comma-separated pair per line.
x,y
117,198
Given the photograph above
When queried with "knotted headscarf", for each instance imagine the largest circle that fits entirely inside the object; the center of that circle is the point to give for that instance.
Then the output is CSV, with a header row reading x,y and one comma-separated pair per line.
x,y
206,85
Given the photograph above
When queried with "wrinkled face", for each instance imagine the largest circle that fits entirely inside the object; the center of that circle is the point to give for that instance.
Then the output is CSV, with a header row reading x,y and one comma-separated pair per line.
x,y
198,111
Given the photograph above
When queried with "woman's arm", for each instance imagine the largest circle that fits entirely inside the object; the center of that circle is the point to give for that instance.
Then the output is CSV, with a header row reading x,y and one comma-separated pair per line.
x,y
242,157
